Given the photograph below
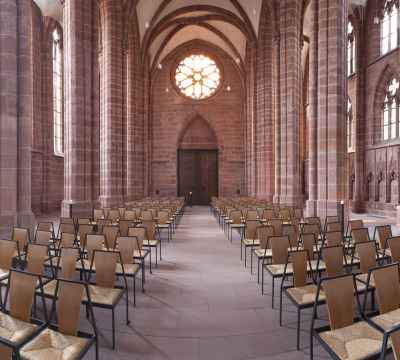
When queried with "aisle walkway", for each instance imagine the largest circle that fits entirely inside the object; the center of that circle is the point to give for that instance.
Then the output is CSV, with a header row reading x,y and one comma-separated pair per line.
x,y
202,303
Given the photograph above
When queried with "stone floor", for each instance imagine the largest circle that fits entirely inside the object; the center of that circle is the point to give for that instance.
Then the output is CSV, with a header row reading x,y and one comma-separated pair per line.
x,y
202,303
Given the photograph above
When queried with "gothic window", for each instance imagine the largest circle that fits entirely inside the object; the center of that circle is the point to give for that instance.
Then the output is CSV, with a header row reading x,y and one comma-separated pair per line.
x,y
390,25
197,77
391,109
57,93
350,126
351,49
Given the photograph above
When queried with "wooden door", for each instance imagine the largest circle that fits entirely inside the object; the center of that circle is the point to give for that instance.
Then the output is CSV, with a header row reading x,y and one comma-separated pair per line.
x,y
198,173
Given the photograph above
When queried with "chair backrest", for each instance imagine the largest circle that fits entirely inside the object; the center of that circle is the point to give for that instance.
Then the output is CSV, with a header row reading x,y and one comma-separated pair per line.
x,y
333,258
110,232
97,214
244,211
334,226
354,224
340,303
45,225
139,232
263,233
66,220
138,212
105,212
93,242
20,235
291,210
80,221
106,266
146,215
251,226
268,214
42,237
296,222
66,227
252,215
313,220
290,230
22,286
384,232
150,226
113,215
260,212
163,217
124,225
312,228
386,279
277,224
308,242
334,238
394,246
101,223
68,258
360,235
280,245
69,297
7,248
285,214
121,212
130,215
298,213
299,260
36,255
153,212
127,246
84,229
236,216
67,239
366,251
332,219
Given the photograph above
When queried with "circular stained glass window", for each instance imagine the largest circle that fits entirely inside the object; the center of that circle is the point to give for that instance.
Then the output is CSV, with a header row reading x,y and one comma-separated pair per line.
x,y
197,77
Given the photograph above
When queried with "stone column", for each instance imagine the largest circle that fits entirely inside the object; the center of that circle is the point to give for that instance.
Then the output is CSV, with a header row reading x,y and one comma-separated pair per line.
x,y
290,95
332,103
78,117
313,110
277,40
15,116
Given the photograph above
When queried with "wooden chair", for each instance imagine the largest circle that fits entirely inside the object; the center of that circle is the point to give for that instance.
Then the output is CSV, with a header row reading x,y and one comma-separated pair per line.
x,y
65,228
280,245
296,223
334,259
46,226
103,292
113,215
64,339
301,293
66,220
121,210
106,211
127,245
346,336
268,215
251,215
140,233
277,224
284,215
92,242
383,232
163,223
260,251
7,251
251,239
146,215
313,228
22,236
97,215
290,230
17,327
124,225
101,223
150,240
298,213
236,222
111,233
307,242
394,335
84,229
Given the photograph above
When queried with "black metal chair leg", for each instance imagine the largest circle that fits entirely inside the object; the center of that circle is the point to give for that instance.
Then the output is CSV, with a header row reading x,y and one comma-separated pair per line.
x,y
113,330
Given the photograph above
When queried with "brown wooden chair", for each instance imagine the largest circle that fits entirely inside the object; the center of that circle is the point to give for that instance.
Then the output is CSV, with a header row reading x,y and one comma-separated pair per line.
x,y
236,223
140,233
152,239
284,215
92,242
346,336
124,226
22,236
103,292
261,251
17,326
84,229
277,224
101,223
301,293
97,215
127,246
111,233
249,240
383,232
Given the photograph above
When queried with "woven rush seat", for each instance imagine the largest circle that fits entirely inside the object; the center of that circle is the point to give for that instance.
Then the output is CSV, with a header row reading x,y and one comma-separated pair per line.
x,y
387,320
50,344
263,253
278,269
128,268
142,252
4,273
103,295
363,278
16,253
305,294
13,329
49,289
86,264
354,342
150,242
249,242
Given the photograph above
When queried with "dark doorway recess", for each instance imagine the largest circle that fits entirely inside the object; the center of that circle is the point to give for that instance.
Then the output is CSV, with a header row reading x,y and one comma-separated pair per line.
x,y
198,173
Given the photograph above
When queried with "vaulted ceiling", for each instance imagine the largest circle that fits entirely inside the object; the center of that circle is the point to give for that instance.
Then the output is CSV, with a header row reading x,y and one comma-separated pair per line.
x,y
166,24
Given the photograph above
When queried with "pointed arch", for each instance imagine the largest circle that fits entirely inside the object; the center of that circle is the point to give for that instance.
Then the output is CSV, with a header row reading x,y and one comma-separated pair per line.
x,y
197,133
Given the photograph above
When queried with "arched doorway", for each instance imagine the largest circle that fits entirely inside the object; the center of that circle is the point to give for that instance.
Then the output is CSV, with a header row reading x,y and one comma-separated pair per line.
x,y
198,163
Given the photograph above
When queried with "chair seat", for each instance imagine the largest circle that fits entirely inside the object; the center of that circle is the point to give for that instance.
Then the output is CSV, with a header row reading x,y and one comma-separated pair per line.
x,y
314,263
103,295
387,320
356,341
13,329
305,294
86,264
21,253
150,242
278,269
249,242
130,269
363,278
50,287
261,253
143,252
4,273
241,226
50,344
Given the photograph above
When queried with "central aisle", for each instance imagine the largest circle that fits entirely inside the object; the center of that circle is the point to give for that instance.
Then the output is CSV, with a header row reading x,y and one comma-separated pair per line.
x,y
202,303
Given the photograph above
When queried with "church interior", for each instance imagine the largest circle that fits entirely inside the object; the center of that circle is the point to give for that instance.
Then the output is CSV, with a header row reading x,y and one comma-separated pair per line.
x,y
201,111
